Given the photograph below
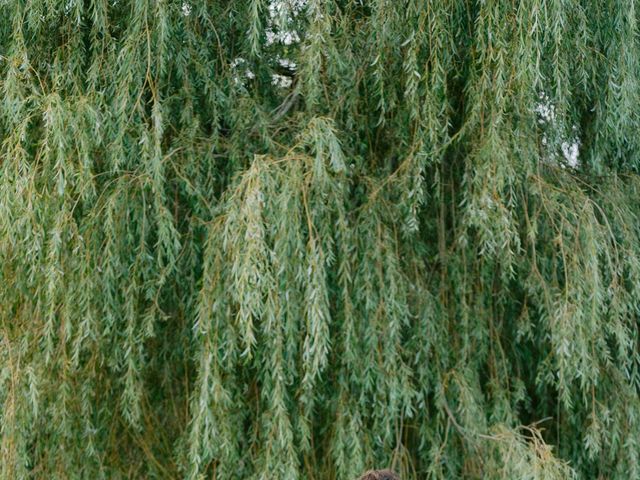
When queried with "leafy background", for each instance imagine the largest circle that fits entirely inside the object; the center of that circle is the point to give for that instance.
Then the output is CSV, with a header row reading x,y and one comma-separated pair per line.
x,y
298,239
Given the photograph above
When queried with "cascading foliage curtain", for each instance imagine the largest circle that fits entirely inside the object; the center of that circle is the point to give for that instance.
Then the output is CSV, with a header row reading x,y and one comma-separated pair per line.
x,y
296,239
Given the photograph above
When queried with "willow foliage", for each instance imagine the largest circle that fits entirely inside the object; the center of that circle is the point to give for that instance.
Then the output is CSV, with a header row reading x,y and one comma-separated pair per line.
x,y
297,239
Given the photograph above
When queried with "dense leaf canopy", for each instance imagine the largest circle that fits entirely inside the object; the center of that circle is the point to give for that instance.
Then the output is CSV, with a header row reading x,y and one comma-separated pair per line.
x,y
297,239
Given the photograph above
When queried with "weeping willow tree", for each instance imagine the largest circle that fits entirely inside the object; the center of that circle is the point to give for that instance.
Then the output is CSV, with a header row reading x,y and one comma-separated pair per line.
x,y
297,239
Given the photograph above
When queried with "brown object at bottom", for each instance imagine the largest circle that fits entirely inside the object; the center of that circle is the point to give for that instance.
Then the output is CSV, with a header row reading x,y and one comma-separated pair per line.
x,y
379,475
